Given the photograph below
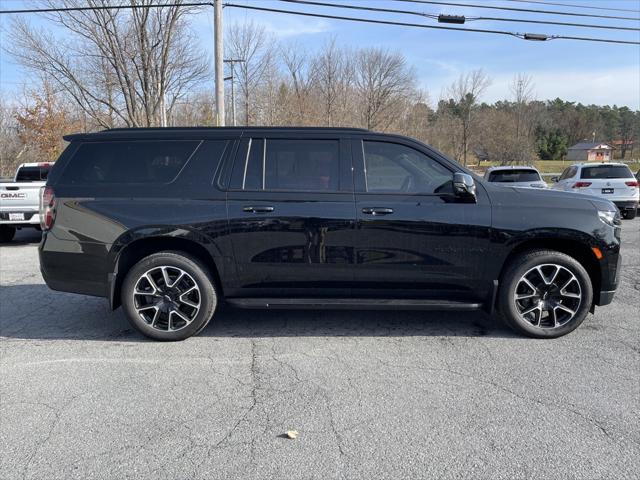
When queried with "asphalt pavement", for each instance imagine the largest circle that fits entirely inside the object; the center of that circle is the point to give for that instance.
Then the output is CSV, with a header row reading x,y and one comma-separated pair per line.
x,y
371,394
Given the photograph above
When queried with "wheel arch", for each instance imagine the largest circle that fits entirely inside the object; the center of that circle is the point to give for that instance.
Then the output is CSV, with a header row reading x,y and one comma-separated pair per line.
x,y
131,253
573,248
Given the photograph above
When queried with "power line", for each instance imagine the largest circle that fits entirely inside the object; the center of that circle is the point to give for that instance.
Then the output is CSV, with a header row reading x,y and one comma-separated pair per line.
x,y
106,7
435,17
514,9
574,5
524,36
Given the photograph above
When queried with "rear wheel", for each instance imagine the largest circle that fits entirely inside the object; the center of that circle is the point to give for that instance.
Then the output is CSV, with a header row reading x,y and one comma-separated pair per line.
x,y
545,294
169,296
7,232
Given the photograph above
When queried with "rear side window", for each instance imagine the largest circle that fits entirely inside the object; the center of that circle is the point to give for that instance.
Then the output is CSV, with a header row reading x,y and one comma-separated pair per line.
x,y
568,173
32,174
510,176
126,162
606,171
290,165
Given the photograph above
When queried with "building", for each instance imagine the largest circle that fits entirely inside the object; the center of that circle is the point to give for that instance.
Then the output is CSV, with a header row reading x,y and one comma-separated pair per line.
x,y
590,152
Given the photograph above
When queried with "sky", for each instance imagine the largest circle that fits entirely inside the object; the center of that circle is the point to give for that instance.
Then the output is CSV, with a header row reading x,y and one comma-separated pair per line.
x,y
586,72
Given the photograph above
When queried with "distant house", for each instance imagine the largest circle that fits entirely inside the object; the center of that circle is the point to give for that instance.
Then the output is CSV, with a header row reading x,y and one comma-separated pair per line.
x,y
590,152
623,146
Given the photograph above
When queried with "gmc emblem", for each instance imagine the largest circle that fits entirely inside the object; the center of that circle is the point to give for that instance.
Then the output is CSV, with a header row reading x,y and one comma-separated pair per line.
x,y
13,196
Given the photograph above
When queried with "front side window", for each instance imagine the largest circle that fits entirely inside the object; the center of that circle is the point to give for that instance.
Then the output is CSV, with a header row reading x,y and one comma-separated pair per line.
x,y
128,162
293,165
395,168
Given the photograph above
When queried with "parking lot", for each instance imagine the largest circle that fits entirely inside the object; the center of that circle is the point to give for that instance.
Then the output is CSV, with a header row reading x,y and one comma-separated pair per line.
x,y
372,394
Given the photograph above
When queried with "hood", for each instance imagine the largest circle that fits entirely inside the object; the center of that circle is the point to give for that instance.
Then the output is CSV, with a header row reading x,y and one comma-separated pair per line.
x,y
544,198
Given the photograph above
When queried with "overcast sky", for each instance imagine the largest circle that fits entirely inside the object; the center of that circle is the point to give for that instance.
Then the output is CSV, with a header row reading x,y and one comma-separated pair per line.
x,y
578,71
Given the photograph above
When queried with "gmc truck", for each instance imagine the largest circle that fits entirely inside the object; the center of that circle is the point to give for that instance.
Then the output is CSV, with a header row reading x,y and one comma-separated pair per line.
x,y
20,199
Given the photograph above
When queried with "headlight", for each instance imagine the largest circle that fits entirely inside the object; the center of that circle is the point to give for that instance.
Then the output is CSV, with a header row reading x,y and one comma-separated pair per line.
x,y
609,217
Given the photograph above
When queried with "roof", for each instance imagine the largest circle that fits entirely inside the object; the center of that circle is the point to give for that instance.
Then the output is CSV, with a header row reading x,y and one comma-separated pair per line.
x,y
511,167
191,131
599,164
588,145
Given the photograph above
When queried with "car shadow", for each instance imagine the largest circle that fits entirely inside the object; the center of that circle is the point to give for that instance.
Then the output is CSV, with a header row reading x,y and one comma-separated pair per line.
x,y
33,312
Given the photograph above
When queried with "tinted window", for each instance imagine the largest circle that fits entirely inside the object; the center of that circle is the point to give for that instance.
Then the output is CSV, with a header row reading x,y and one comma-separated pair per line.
x,y
32,174
295,165
568,173
395,168
606,171
523,175
128,162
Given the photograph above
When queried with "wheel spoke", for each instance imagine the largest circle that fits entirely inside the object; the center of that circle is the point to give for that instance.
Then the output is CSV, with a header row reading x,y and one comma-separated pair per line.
x,y
151,282
155,314
565,308
165,276
529,284
570,295
522,296
188,302
552,314
175,311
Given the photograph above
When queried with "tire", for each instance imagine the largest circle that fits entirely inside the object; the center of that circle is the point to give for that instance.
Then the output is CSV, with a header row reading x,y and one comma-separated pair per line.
x,y
7,232
629,214
545,297
173,310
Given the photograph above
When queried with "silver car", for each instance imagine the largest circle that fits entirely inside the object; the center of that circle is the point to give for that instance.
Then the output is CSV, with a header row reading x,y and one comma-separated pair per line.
x,y
516,176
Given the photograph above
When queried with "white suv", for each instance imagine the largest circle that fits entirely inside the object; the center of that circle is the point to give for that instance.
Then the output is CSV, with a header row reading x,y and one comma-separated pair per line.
x,y
515,176
613,181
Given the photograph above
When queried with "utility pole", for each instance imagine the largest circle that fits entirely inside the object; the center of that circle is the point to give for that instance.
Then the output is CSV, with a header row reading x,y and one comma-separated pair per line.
x,y
232,62
217,38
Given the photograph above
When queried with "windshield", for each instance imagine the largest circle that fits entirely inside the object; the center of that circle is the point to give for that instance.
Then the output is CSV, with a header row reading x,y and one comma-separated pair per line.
x,y
515,175
606,171
32,174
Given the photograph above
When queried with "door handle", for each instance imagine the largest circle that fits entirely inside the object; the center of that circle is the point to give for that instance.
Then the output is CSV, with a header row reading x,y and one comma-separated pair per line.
x,y
258,209
377,210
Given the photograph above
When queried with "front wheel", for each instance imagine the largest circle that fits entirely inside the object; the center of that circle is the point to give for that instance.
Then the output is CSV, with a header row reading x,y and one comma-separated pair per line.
x,y
169,296
545,294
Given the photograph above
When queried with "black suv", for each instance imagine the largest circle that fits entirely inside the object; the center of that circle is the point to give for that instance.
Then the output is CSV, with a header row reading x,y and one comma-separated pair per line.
x,y
172,222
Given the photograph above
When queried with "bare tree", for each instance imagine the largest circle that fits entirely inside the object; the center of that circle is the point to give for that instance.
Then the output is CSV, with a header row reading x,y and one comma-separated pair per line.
x,y
126,67
522,91
249,42
382,81
464,94
295,61
333,78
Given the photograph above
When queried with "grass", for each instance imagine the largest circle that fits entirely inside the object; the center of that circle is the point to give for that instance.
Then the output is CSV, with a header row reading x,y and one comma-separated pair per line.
x,y
551,166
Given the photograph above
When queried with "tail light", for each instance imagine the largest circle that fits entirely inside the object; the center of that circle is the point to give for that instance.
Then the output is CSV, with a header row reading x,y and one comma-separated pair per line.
x,y
632,184
47,208
581,184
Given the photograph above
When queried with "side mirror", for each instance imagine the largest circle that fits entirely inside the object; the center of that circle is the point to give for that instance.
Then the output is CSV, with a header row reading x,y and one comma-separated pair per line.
x,y
555,179
464,186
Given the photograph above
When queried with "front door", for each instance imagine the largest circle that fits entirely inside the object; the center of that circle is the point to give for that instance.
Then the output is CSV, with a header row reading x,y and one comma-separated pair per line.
x,y
291,216
415,239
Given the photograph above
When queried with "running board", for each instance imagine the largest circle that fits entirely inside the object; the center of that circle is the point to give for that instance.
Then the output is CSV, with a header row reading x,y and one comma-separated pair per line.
x,y
352,303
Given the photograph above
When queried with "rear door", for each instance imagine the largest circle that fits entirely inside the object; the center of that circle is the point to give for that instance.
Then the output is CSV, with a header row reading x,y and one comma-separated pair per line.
x,y
291,216
414,238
